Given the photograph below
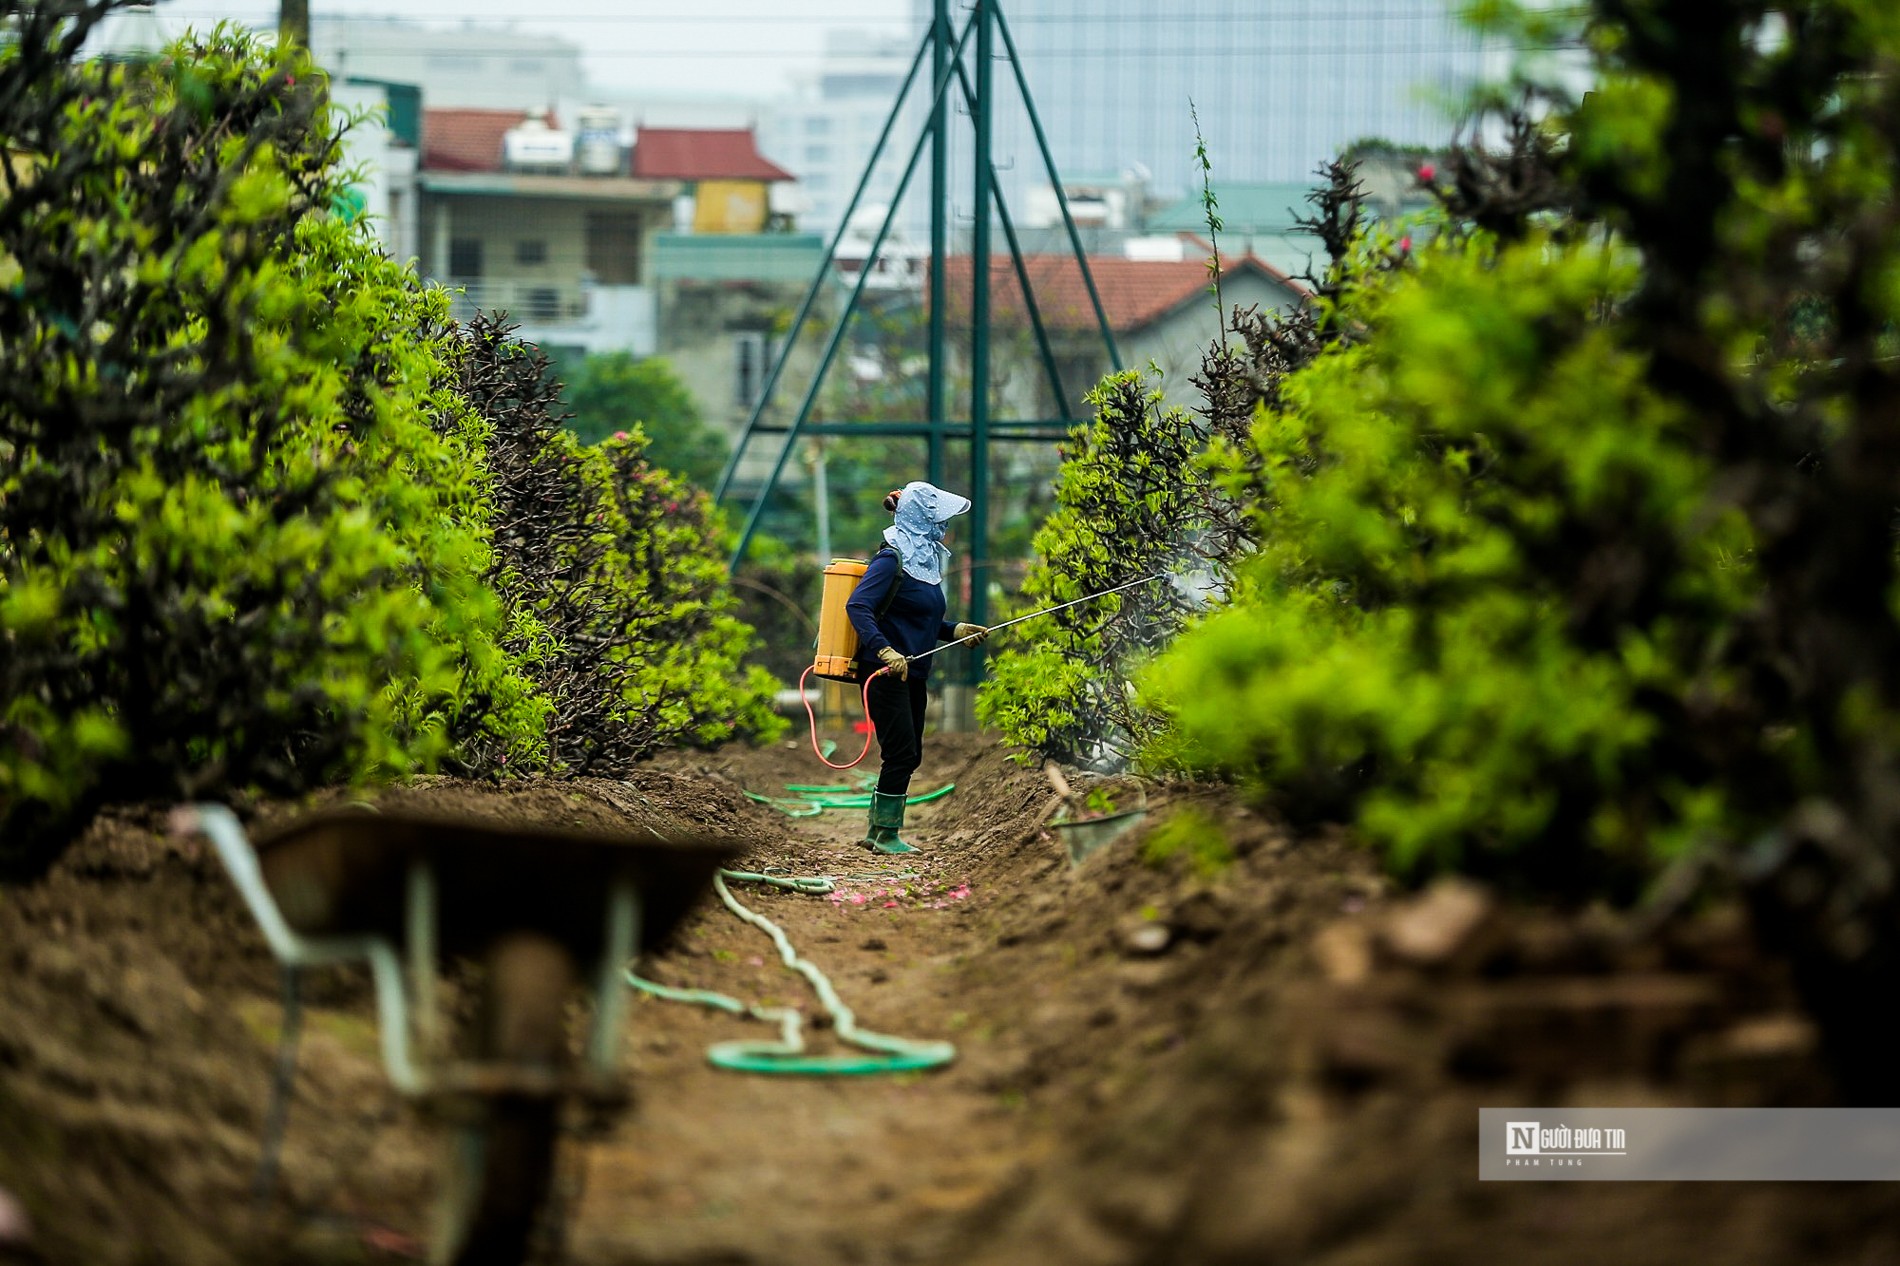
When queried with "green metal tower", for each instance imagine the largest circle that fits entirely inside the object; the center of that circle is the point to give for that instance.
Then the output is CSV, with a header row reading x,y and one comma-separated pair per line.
x,y
946,50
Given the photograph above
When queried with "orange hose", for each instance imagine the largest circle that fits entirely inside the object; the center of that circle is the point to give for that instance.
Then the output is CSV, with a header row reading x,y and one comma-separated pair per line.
x,y
811,716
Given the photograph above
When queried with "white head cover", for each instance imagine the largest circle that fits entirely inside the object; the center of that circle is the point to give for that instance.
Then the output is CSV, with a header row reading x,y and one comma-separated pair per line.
x,y
923,511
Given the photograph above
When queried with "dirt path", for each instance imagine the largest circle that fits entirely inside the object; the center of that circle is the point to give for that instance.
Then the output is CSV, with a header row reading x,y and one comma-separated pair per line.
x,y
1269,1059
1242,1050
725,1167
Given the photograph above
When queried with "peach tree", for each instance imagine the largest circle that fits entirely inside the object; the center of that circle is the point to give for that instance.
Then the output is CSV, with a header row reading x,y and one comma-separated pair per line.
x,y
259,529
1578,569
1140,494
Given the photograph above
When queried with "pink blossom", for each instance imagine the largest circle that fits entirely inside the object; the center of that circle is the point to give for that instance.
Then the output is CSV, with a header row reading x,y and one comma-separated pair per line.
x,y
890,905
1426,171
620,435
394,1242
1405,243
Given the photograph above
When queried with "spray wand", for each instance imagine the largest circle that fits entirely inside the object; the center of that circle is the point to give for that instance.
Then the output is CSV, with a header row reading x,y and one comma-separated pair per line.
x,y
810,716
1033,614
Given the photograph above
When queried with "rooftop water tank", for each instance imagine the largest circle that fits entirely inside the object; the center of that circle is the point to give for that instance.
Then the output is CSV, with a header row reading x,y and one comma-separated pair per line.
x,y
598,143
532,145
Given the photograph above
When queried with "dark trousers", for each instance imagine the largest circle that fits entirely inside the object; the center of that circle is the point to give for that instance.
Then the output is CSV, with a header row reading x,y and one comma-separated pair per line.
x,y
897,713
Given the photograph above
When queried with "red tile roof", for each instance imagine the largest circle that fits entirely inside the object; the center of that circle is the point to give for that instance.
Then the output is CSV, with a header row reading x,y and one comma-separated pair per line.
x,y
1135,292
465,140
701,154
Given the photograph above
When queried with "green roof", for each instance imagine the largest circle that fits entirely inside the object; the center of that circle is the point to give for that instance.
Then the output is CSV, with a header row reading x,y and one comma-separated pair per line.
x,y
737,256
1243,208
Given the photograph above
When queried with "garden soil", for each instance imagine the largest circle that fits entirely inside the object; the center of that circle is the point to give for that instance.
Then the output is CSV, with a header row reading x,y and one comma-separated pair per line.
x,y
1210,1041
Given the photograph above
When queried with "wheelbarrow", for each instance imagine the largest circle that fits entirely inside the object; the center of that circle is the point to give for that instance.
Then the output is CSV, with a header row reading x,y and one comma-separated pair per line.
x,y
541,910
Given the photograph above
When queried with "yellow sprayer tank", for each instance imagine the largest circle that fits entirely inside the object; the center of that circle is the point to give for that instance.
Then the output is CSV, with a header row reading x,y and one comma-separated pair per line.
x,y
837,639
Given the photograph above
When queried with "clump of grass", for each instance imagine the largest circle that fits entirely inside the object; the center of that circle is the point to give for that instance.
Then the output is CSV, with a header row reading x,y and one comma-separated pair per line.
x,y
1192,835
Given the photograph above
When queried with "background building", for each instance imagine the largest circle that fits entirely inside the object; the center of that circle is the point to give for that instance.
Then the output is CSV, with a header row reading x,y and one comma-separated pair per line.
x,y
1161,311
825,131
486,66
543,219
729,184
384,148
1279,87
502,68
723,302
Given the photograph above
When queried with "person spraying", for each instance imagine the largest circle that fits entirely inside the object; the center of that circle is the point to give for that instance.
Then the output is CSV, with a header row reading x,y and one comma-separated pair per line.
x,y
898,611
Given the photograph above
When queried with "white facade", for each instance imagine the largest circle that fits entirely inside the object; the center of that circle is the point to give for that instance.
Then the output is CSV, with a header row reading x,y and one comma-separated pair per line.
x,y
131,33
1118,202
477,66
498,68
591,319
902,264
388,187
565,257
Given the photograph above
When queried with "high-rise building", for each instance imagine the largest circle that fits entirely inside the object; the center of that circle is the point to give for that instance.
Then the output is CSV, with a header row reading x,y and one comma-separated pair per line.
x,y
824,132
1279,85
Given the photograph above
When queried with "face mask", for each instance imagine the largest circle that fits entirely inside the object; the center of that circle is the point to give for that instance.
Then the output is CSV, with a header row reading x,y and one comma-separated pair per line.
x,y
923,512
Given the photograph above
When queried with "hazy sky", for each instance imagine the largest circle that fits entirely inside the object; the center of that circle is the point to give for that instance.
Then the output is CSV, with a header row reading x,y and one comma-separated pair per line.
x,y
744,48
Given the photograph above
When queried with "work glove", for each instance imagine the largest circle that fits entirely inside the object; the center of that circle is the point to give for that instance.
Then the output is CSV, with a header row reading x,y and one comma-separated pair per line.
x,y
895,661
976,632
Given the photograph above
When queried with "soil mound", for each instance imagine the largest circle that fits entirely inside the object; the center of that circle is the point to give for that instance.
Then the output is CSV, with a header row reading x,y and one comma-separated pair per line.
x,y
1208,1042
139,1016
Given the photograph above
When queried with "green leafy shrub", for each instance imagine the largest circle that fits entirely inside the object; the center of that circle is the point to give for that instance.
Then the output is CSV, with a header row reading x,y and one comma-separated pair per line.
x,y
268,518
1193,836
778,590
1487,571
1582,560
212,404
1137,496
610,570
690,685
1130,501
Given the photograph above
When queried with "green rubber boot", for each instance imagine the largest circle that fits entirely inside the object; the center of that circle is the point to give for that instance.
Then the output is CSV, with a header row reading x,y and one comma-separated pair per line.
x,y
887,819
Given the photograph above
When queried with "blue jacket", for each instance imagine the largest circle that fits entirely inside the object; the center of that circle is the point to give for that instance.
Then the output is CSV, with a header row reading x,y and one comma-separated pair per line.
x,y
913,624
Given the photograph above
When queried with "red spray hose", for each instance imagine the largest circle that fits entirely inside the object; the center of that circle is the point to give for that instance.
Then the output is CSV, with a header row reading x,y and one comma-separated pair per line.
x,y
813,718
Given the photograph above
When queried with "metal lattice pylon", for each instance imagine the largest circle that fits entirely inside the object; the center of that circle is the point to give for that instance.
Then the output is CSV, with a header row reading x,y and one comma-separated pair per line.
x,y
945,48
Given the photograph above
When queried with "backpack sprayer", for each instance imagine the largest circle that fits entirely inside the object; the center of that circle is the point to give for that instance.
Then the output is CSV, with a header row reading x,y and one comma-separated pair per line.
x,y
835,655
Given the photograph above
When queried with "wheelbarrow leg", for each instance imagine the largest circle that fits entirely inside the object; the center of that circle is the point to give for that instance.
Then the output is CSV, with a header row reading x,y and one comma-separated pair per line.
x,y
422,943
610,988
500,1161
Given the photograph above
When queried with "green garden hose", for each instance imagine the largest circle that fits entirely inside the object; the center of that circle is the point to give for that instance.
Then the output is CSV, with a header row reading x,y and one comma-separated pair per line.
x,y
790,808
863,784
885,1054
810,885
810,801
